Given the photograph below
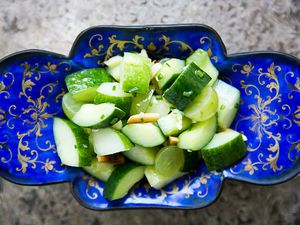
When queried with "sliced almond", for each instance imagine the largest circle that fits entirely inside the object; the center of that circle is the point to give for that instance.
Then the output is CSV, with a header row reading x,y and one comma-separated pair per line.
x,y
143,118
173,140
115,159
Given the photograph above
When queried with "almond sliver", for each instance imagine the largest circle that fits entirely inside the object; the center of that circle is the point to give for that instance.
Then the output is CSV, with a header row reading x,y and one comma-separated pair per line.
x,y
143,118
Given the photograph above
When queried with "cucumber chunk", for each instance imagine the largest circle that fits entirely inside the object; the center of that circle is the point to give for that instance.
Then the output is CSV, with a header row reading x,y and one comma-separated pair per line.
x,y
201,59
82,85
173,123
72,143
70,106
118,125
98,116
114,61
122,179
187,86
204,106
169,161
108,141
225,149
111,92
169,72
229,101
158,181
142,155
100,170
114,66
144,134
141,102
158,105
135,73
199,135
191,161
155,68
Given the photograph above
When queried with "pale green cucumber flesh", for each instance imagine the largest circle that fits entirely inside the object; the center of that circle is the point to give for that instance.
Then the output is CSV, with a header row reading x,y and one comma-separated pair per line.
x,y
158,105
198,135
142,155
108,141
204,106
171,124
225,149
70,106
98,116
229,100
158,181
141,102
122,180
72,143
99,170
82,84
114,61
144,134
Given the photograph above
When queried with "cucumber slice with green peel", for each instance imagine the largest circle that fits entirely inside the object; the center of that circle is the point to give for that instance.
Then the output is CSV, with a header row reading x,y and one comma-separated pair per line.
x,y
72,143
169,161
158,181
111,92
118,125
144,134
141,102
199,135
122,179
98,116
70,106
173,123
142,155
108,141
191,161
135,73
82,85
100,170
229,101
225,149
201,59
169,72
187,86
204,106
114,61
158,105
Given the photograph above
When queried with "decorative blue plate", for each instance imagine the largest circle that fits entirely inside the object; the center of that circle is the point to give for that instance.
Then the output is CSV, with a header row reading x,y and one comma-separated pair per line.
x,y
32,85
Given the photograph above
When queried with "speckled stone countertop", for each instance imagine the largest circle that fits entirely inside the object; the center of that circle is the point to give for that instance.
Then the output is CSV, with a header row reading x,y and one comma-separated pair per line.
x,y
243,25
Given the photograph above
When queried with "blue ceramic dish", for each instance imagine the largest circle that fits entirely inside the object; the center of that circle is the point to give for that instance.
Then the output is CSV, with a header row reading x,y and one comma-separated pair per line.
x,y
32,84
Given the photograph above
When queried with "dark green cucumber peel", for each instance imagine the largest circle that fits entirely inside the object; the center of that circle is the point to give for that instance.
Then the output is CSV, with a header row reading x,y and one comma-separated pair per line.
x,y
117,175
187,86
191,161
231,152
85,79
85,154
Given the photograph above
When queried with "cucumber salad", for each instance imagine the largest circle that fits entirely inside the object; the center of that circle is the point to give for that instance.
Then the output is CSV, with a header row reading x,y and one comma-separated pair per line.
x,y
141,118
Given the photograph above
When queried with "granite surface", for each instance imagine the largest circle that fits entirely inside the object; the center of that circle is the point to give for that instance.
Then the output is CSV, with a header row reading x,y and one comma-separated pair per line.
x,y
243,25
